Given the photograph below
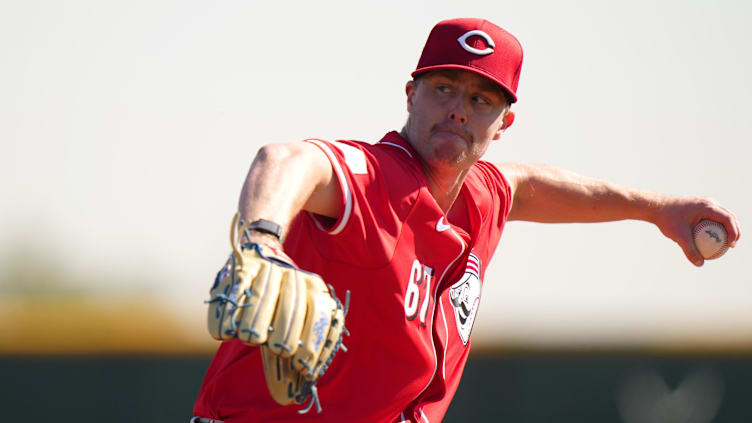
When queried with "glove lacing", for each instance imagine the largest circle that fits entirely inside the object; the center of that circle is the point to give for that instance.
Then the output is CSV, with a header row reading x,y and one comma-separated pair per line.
x,y
309,387
223,297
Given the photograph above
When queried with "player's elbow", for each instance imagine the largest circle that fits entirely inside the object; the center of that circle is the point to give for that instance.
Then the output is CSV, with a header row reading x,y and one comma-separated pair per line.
x,y
274,154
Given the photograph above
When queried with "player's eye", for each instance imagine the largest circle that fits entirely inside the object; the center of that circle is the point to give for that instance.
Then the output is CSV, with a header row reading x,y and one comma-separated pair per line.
x,y
481,100
443,88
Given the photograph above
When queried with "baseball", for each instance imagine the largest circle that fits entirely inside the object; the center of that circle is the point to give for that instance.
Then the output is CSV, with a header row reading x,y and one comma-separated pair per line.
x,y
710,239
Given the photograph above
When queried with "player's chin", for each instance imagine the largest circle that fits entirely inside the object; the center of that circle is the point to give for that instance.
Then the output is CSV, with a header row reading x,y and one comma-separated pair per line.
x,y
448,156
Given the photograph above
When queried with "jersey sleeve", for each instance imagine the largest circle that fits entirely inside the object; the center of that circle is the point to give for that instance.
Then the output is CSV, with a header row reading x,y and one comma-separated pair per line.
x,y
372,211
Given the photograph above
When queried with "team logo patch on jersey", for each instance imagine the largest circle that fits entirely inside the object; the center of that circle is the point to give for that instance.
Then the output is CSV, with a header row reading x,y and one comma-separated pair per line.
x,y
465,297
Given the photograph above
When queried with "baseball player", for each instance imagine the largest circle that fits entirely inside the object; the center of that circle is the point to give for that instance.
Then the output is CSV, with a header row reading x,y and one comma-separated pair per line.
x,y
407,226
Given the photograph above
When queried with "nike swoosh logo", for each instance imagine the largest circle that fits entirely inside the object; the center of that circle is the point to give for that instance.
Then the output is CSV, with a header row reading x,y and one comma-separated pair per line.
x,y
440,226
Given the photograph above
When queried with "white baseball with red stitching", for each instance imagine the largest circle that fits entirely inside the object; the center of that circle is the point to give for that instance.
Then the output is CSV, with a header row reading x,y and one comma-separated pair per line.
x,y
711,239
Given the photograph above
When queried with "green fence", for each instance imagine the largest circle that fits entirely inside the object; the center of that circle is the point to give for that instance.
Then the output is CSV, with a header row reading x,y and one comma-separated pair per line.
x,y
511,388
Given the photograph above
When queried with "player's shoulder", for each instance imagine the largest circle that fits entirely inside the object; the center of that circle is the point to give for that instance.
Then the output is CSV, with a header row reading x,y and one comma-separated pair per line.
x,y
486,166
384,160
488,175
382,170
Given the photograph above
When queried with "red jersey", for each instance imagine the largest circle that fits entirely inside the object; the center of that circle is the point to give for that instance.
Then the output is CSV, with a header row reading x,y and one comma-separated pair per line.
x,y
415,280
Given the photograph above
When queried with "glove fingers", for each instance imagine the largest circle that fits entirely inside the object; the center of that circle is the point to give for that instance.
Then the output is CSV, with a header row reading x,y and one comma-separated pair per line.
x,y
290,314
331,345
320,308
283,381
226,298
258,309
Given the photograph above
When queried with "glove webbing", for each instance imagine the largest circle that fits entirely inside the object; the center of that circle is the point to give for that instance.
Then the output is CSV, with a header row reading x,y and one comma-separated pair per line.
x,y
309,387
223,298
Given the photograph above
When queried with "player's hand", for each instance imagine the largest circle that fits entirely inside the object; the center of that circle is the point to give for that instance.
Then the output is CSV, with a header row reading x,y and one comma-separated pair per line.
x,y
677,216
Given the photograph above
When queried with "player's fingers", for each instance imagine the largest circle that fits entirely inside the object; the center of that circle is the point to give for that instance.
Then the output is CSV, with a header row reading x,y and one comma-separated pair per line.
x,y
728,219
732,228
261,299
289,315
319,309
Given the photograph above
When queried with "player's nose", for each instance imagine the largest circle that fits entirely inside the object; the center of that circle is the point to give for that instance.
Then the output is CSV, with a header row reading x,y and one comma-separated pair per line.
x,y
457,117
457,111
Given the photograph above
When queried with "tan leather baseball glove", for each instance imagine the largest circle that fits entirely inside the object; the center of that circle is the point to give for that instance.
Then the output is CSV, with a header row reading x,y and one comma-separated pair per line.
x,y
262,298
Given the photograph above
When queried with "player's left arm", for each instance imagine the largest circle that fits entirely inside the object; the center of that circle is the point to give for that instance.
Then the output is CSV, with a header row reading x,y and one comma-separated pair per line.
x,y
542,193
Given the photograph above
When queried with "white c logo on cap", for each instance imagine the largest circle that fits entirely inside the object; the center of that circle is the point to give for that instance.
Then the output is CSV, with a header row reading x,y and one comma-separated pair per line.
x,y
488,50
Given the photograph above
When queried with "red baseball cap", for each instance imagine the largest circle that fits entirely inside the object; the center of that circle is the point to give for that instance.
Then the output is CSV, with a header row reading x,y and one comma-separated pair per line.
x,y
474,45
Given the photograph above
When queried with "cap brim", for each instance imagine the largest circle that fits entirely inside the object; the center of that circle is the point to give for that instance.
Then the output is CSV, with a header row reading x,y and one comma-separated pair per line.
x,y
476,71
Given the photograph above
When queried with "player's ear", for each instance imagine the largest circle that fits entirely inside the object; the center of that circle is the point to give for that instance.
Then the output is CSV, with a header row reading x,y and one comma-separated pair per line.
x,y
506,122
410,92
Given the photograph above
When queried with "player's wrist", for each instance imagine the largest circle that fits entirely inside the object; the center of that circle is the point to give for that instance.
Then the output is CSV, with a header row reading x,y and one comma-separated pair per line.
x,y
647,206
263,238
261,231
267,227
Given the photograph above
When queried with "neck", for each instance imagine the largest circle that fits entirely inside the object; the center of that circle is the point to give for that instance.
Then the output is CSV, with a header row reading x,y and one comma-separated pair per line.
x,y
445,182
445,187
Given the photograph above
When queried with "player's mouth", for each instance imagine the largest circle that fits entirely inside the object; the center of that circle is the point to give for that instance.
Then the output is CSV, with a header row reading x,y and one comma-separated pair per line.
x,y
442,128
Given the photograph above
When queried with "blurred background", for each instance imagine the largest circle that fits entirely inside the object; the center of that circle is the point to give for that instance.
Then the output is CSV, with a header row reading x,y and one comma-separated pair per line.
x,y
128,128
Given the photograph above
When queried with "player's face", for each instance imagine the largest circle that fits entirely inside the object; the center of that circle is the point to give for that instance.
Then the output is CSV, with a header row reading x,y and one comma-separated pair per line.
x,y
453,117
